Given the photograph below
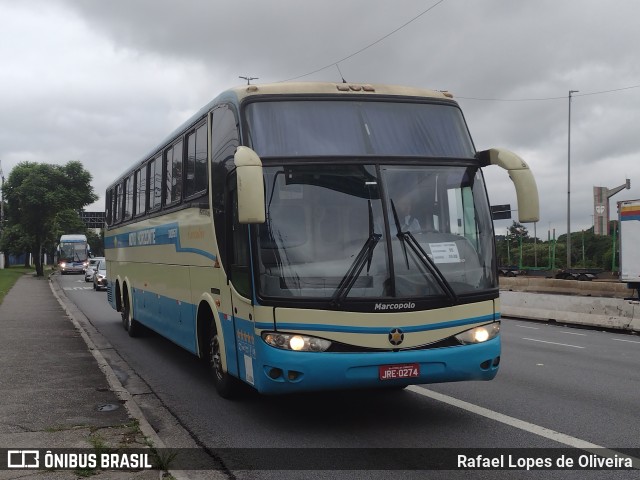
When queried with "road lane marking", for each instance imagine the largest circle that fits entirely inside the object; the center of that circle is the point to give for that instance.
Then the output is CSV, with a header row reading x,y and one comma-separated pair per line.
x,y
523,425
572,333
525,326
621,340
552,343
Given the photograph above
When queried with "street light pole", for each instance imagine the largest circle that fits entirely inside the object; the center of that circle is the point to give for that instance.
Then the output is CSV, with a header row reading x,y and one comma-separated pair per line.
x,y
2,262
1,197
569,185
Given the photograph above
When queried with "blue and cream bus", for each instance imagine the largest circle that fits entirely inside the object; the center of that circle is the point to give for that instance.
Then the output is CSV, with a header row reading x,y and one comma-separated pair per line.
x,y
311,236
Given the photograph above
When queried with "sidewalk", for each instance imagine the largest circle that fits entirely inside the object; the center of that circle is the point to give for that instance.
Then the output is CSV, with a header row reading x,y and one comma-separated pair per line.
x,y
53,393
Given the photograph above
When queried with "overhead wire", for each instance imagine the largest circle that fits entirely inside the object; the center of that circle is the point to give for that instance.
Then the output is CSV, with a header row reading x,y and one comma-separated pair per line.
x,y
563,97
384,37
606,91
367,46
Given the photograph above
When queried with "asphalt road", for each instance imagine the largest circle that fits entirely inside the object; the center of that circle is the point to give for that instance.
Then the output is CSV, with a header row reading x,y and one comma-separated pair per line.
x,y
557,387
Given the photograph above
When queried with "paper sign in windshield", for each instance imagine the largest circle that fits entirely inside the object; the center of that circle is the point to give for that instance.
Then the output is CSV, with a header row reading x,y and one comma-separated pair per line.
x,y
446,252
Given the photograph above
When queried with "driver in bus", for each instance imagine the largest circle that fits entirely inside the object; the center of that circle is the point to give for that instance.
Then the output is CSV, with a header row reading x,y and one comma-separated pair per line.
x,y
407,212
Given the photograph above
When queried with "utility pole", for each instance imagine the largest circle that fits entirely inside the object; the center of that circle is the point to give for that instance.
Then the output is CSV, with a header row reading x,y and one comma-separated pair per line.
x,y
2,265
1,198
569,185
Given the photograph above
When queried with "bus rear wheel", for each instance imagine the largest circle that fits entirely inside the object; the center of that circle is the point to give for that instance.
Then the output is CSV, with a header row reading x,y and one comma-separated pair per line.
x,y
225,384
130,325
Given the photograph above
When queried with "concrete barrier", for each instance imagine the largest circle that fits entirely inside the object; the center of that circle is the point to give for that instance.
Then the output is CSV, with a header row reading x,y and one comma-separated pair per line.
x,y
614,313
610,289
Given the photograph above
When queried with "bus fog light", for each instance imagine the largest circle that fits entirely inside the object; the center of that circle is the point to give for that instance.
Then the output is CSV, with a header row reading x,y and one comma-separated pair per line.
x,y
479,334
295,342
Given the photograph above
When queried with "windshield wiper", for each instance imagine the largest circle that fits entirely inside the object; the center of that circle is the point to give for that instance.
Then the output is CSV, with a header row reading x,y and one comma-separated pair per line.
x,y
407,239
365,255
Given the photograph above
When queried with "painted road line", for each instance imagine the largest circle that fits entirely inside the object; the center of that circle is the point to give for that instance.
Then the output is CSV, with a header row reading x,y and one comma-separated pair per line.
x,y
621,340
526,326
572,333
523,425
552,343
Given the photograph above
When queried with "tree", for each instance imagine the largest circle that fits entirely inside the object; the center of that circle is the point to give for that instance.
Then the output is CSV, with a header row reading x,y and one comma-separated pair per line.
x,y
518,230
96,242
14,240
37,194
508,247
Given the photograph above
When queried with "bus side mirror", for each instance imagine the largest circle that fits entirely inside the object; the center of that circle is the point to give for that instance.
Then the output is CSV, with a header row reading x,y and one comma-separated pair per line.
x,y
522,178
250,185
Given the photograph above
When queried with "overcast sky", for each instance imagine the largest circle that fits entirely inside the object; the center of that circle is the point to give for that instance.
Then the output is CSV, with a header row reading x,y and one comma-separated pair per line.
x,y
103,81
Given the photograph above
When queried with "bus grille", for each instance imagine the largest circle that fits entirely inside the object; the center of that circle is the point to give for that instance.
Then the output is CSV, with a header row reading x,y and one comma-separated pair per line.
x,y
345,348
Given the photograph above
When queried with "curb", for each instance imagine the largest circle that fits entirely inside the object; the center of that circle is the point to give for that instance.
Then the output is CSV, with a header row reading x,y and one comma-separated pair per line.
x,y
116,386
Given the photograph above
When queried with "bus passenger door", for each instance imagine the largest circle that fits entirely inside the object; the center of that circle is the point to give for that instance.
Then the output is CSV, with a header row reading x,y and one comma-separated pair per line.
x,y
241,294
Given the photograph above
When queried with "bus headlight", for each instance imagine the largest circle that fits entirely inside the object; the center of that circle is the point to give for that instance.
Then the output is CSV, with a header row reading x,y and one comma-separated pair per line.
x,y
295,342
479,334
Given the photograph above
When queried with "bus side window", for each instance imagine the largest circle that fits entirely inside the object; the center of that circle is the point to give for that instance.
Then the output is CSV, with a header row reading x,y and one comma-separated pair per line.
x,y
118,203
201,159
108,207
155,183
128,198
196,162
224,141
173,174
141,192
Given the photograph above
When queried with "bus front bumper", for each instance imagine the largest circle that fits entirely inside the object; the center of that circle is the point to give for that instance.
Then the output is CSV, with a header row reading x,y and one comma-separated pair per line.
x,y
284,371
72,268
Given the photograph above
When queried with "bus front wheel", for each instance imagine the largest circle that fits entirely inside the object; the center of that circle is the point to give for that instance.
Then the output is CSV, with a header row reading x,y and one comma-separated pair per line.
x,y
225,384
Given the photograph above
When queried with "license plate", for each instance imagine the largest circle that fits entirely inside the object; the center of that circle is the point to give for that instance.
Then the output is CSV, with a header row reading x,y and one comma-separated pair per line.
x,y
394,372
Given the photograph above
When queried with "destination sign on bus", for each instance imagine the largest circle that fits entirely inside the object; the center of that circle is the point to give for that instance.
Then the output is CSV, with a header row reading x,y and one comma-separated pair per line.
x,y
143,237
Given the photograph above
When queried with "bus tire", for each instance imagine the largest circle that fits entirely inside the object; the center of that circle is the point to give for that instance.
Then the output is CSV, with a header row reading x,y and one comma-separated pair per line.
x,y
130,325
225,384
124,313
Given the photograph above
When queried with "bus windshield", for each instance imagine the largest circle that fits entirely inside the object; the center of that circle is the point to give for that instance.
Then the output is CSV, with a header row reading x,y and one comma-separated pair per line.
x,y
73,252
347,127
340,232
